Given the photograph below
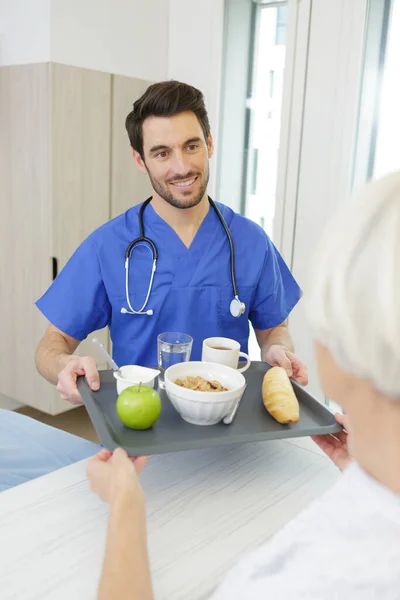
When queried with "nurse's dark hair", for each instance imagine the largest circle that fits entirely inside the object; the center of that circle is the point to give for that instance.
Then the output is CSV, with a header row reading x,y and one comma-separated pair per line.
x,y
165,99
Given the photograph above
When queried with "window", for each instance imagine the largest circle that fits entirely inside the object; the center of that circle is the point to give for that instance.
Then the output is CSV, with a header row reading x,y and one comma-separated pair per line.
x,y
378,141
280,28
264,114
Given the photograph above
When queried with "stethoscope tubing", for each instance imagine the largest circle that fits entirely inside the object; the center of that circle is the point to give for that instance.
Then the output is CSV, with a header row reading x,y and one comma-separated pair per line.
x,y
142,239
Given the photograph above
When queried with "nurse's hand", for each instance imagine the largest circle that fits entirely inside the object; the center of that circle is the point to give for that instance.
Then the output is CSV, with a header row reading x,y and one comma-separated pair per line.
x,y
74,367
276,356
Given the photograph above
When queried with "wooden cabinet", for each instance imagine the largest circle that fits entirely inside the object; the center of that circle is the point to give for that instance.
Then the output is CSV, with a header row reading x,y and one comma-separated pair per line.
x,y
65,168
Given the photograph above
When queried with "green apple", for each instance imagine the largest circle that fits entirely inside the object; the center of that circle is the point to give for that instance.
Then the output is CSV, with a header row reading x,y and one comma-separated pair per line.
x,y
138,407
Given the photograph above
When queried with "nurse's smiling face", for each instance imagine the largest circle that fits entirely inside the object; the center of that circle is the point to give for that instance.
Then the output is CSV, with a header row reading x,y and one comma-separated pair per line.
x,y
176,158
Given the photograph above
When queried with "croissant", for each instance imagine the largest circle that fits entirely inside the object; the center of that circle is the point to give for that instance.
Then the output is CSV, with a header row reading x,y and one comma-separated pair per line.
x,y
278,396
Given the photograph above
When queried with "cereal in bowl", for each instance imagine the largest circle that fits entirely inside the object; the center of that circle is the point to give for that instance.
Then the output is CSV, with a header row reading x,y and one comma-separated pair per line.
x,y
200,384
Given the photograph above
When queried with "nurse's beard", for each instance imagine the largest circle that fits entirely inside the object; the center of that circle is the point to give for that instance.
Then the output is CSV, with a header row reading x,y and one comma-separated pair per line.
x,y
184,202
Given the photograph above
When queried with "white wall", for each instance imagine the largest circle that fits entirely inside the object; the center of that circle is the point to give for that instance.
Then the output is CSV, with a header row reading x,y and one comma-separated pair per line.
x,y
195,54
126,37
24,31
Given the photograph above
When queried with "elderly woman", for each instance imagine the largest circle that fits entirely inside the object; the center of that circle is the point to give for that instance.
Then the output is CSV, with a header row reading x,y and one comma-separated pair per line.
x,y
346,544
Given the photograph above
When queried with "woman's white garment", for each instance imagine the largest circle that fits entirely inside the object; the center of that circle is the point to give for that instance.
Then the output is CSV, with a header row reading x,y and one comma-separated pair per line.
x,y
344,546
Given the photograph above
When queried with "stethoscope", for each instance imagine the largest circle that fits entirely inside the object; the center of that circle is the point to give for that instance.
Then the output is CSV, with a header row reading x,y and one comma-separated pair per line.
x,y
237,308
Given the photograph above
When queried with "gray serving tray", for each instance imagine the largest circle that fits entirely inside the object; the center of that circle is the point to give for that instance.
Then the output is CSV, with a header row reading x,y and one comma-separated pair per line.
x,y
171,433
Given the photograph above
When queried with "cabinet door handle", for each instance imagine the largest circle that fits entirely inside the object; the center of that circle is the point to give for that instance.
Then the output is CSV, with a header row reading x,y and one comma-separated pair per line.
x,y
54,261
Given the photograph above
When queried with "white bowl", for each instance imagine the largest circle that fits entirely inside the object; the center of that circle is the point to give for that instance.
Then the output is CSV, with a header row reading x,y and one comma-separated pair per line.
x,y
133,375
204,408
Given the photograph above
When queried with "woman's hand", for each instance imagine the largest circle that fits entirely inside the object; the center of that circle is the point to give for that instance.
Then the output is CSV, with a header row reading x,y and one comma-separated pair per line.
x,y
112,474
337,446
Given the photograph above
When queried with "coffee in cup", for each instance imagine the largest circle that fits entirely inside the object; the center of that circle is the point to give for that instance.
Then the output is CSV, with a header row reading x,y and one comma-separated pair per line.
x,y
225,352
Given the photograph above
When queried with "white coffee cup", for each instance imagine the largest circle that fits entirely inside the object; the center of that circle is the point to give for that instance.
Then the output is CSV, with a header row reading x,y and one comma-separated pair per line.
x,y
225,352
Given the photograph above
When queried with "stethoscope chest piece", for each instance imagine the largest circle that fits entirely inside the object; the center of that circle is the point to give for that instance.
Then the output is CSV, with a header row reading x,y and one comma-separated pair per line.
x,y
237,308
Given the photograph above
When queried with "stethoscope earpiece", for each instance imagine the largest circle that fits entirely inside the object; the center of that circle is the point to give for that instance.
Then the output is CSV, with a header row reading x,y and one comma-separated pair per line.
x,y
136,312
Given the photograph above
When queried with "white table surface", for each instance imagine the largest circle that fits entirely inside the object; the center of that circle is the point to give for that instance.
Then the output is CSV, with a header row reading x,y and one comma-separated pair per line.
x,y
205,509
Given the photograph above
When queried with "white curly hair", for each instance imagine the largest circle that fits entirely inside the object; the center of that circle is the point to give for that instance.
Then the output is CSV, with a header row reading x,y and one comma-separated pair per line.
x,y
353,296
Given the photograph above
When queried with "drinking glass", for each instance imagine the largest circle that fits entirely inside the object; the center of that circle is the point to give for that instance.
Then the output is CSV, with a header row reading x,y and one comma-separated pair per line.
x,y
173,347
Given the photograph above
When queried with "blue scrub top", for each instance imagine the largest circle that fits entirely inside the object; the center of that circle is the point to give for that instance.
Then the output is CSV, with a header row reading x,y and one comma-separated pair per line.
x,y
192,287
